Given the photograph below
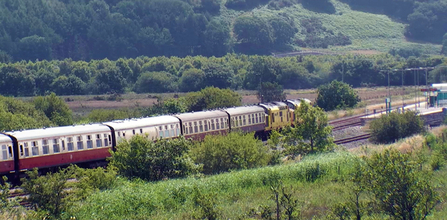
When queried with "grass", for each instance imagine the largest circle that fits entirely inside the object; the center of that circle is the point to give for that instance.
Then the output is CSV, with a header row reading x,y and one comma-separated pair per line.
x,y
367,31
236,193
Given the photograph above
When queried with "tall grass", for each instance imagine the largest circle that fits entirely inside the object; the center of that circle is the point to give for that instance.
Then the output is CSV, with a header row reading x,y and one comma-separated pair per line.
x,y
249,188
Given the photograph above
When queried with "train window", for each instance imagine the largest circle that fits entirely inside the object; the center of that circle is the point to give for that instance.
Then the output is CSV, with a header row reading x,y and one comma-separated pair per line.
x,y
160,134
133,131
63,145
107,141
80,144
124,134
141,131
4,152
90,141
190,130
56,148
185,130
232,122
245,121
21,150
280,115
273,118
217,124
177,129
249,120
45,147
119,134
35,150
167,133
200,126
70,145
26,149
212,125
206,125
160,128
98,143
195,127
166,127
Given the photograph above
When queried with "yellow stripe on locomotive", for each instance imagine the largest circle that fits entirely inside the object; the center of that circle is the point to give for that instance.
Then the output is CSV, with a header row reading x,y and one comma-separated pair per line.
x,y
278,115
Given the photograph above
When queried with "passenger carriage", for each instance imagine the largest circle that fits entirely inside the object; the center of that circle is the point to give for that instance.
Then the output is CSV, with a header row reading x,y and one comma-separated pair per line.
x,y
6,154
154,128
197,125
247,118
52,147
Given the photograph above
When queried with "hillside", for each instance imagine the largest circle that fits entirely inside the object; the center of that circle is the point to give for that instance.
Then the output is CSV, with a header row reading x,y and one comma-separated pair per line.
x,y
98,29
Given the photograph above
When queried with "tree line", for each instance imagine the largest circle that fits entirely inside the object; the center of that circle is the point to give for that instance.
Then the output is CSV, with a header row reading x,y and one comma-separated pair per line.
x,y
98,29
174,74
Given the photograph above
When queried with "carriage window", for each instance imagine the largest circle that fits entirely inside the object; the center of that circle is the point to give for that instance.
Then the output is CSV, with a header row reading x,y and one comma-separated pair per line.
x,y
141,131
70,145
249,119
201,126
107,140
21,150
133,131
245,122
80,144
206,125
212,124
56,148
160,134
98,140
252,118
167,133
90,141
34,148
177,129
4,152
185,130
124,134
45,147
195,127
217,124
232,122
26,149
63,145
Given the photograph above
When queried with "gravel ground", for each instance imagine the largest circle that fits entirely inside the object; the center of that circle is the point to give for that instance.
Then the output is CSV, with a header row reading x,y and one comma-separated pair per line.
x,y
350,132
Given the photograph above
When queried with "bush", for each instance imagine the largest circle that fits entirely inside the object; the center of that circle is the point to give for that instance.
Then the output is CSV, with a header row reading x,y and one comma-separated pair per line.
x,y
336,95
144,159
394,126
234,151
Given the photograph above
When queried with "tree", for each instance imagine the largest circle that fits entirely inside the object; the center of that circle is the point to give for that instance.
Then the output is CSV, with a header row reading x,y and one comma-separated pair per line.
x,y
401,189
192,80
336,95
55,109
49,192
311,132
394,126
211,98
268,92
148,160
158,82
234,151
444,44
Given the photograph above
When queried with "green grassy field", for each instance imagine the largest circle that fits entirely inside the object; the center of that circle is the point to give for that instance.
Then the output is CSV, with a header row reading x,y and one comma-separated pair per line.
x,y
367,31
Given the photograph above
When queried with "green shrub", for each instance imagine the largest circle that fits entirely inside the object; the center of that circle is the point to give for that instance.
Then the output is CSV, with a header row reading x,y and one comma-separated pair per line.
x,y
394,126
234,151
336,95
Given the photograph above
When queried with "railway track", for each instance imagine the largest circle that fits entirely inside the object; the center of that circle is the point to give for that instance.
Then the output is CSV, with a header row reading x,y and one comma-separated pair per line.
x,y
352,139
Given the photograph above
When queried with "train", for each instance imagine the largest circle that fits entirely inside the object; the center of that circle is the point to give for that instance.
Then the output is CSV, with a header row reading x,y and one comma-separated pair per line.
x,y
54,147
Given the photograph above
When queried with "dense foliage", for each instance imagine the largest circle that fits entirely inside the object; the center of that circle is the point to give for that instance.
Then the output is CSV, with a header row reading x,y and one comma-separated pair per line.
x,y
142,158
268,92
310,135
394,126
336,95
234,151
163,74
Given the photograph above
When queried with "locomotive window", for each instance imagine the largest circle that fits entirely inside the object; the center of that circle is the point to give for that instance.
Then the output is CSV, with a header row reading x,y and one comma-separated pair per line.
x,y
80,144
4,152
273,118
56,148
280,115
